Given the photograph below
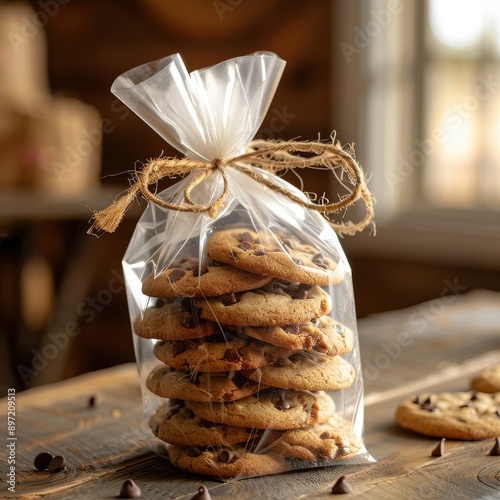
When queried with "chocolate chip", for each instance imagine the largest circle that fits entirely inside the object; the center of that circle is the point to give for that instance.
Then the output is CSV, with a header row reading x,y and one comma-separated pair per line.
x,y
202,494
293,329
282,404
473,396
259,253
418,400
497,413
495,451
340,329
199,270
325,435
438,451
298,262
188,322
319,260
246,236
300,292
428,405
92,401
315,321
176,275
129,489
467,405
205,424
173,410
178,347
229,300
280,362
193,451
239,380
341,486
288,244
42,460
57,464
227,457
232,355
245,245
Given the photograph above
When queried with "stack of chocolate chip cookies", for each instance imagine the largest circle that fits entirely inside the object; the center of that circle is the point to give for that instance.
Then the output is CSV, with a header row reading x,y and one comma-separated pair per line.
x,y
248,352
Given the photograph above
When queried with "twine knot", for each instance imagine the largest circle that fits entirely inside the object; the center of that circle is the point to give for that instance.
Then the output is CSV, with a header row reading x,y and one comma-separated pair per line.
x,y
270,156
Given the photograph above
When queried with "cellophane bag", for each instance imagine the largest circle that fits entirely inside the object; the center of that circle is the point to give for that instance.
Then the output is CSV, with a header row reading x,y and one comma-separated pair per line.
x,y
240,296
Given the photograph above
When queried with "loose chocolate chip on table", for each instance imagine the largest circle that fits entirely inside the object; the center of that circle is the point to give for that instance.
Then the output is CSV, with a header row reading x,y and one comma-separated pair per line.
x,y
93,401
341,486
202,494
129,489
42,460
438,451
495,451
57,464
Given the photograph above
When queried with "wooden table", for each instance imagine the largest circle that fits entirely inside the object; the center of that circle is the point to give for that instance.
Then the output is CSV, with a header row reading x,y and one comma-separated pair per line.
x,y
442,344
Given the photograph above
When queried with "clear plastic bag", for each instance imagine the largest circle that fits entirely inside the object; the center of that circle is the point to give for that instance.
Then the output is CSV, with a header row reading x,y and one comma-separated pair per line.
x,y
241,300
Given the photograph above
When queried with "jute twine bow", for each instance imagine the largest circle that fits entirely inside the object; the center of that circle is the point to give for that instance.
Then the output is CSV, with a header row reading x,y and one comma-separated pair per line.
x,y
270,156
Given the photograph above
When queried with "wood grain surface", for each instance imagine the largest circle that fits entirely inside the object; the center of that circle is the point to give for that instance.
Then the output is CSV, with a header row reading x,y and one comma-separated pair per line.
x,y
108,443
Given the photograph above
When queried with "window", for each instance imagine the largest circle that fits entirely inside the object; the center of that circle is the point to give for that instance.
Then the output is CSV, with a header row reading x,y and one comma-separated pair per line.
x,y
426,97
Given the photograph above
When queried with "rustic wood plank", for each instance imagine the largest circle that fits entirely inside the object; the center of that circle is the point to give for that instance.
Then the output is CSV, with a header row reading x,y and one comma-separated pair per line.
x,y
109,443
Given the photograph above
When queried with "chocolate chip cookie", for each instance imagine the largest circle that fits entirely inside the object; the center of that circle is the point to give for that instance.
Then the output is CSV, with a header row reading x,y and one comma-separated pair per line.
x,y
272,408
196,386
172,321
322,334
179,425
225,462
453,415
214,354
279,303
273,254
307,372
187,278
488,380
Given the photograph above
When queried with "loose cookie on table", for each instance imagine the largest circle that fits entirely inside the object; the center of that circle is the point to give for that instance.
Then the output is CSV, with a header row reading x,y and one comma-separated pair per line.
x,y
186,278
272,408
214,354
279,303
225,462
332,440
204,387
453,415
172,322
322,334
273,254
488,380
306,371
179,425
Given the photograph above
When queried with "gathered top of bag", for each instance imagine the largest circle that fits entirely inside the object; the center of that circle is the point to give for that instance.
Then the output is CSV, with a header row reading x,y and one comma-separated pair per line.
x,y
211,116
210,113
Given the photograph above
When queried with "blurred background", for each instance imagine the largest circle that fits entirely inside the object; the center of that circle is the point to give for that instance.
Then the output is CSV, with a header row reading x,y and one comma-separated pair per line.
x,y
415,85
